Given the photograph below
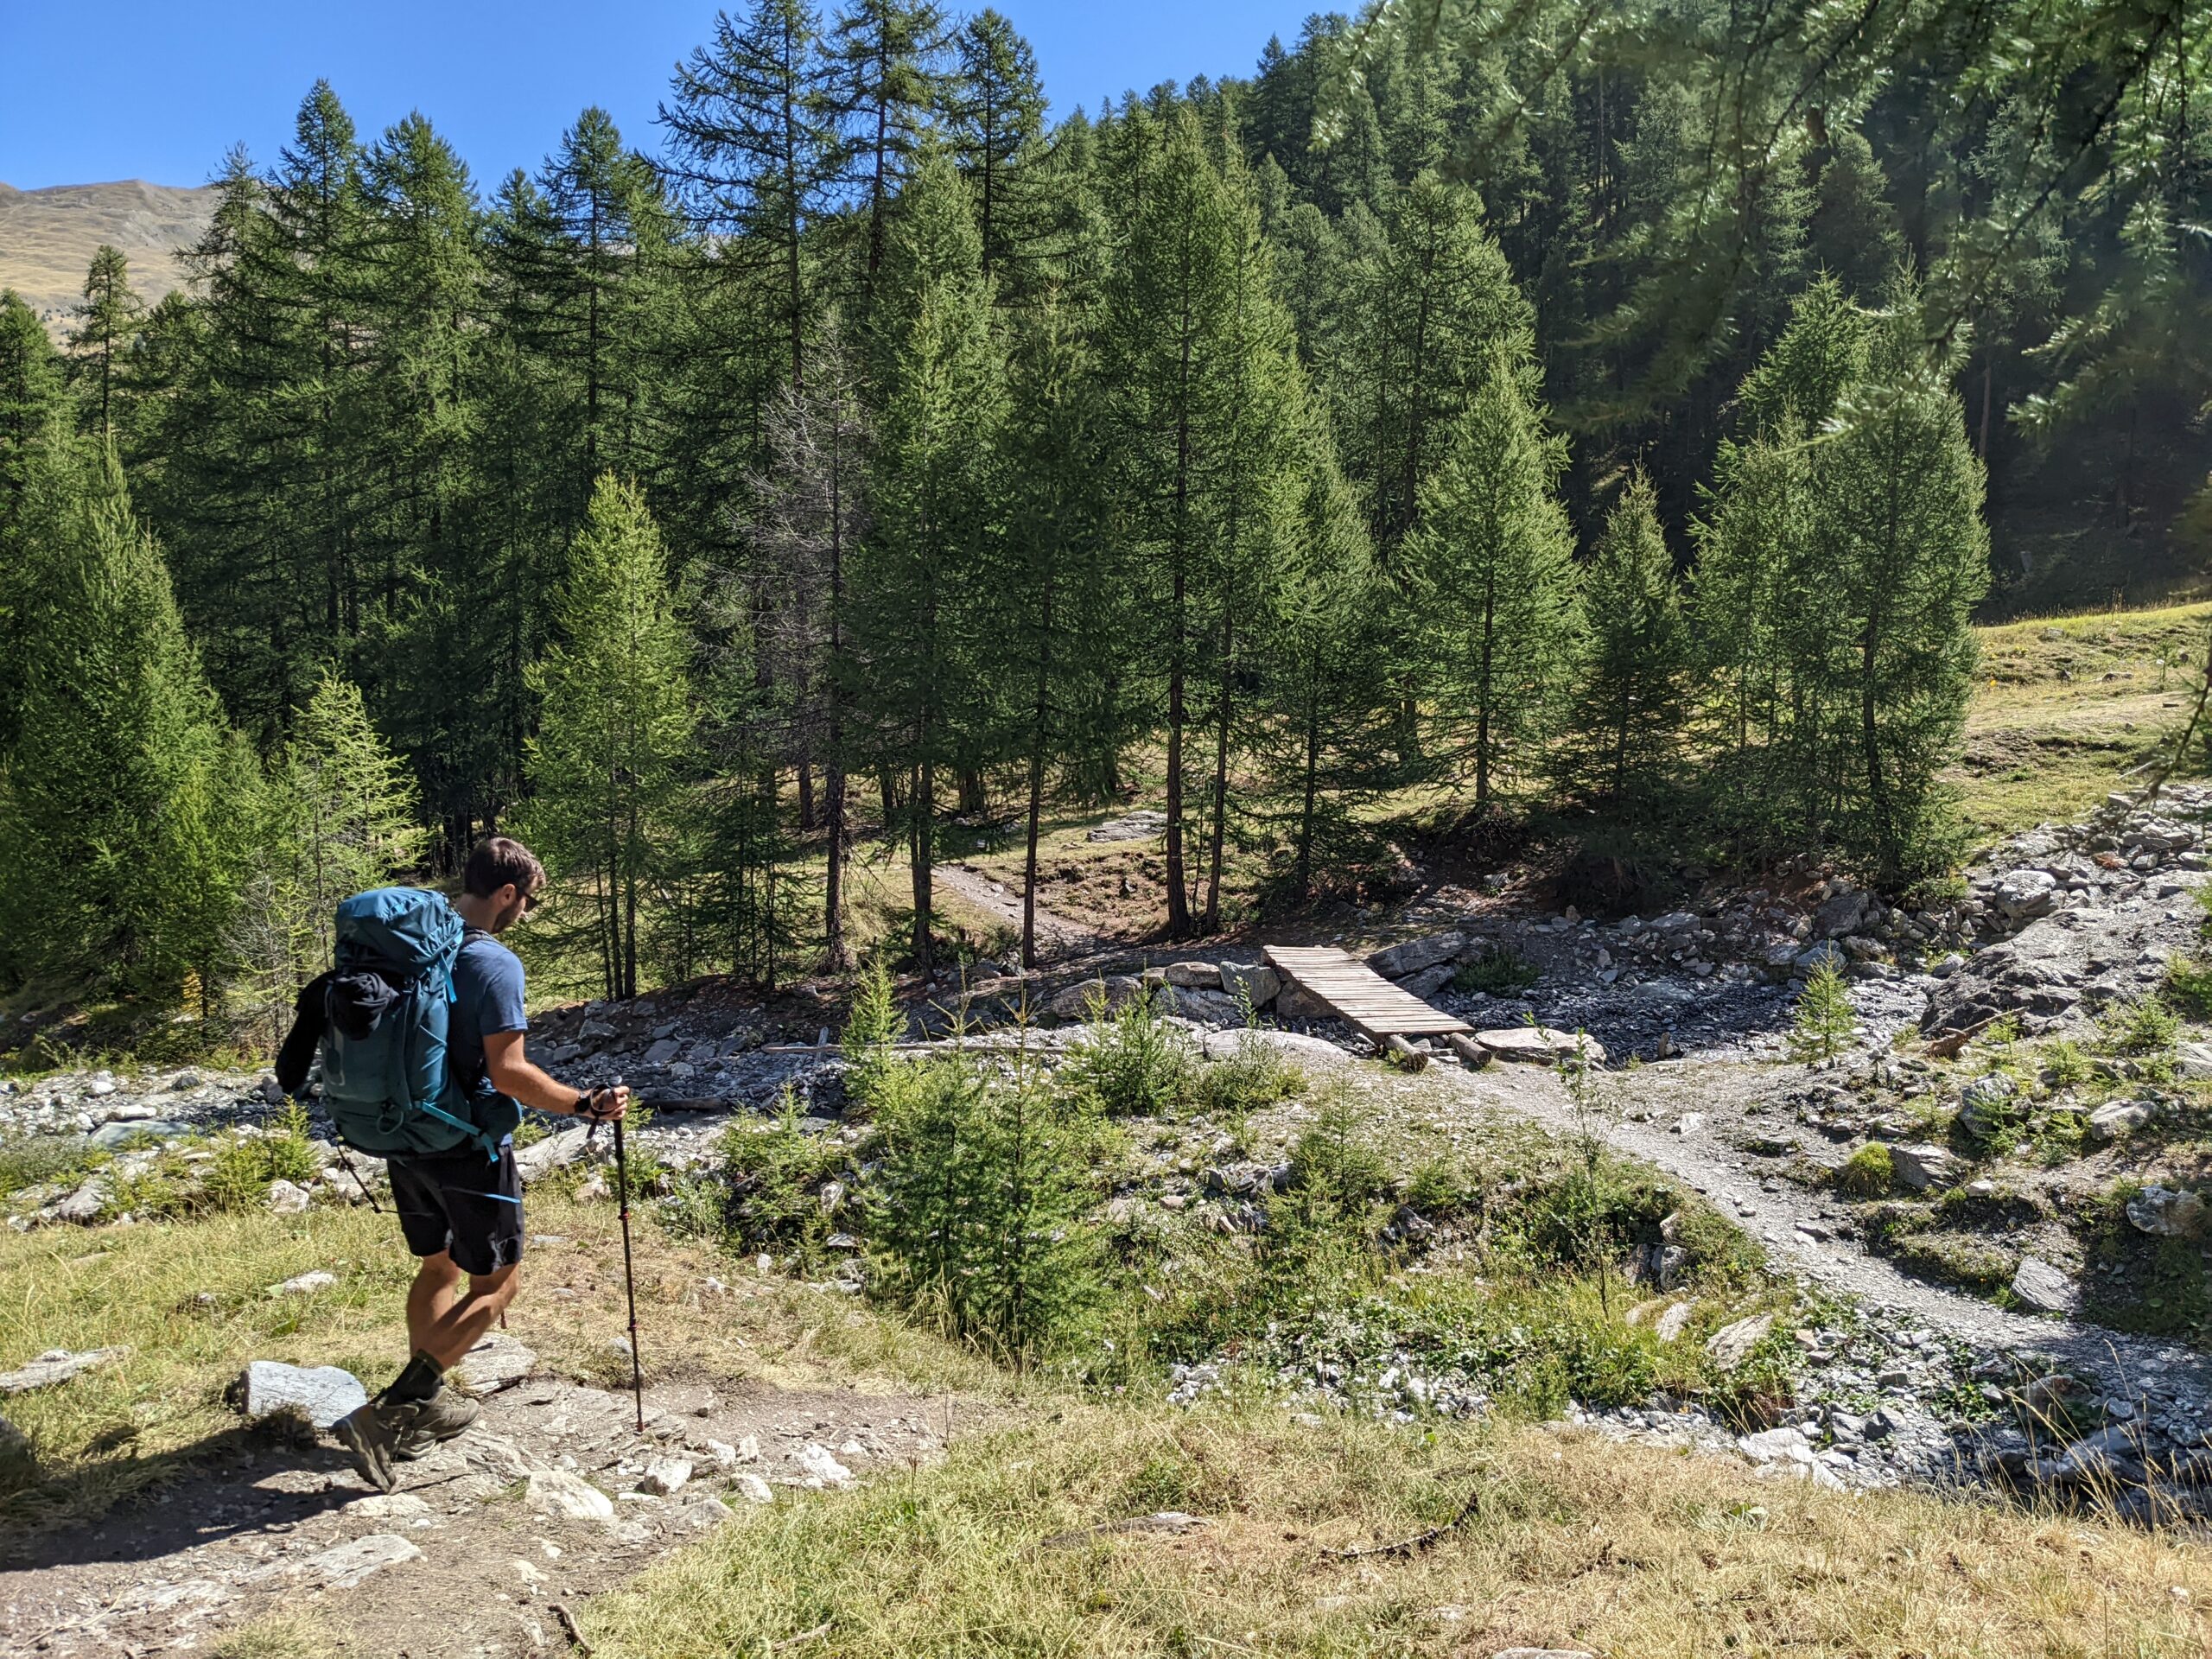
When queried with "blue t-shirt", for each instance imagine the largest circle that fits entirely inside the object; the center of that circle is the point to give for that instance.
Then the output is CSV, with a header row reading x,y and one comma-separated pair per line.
x,y
487,1000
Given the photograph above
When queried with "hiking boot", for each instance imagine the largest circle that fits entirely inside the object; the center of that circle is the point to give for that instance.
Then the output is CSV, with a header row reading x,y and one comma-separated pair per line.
x,y
372,1433
443,1415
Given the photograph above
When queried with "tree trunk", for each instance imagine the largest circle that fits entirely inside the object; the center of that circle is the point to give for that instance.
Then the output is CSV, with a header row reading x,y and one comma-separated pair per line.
x,y
921,837
805,797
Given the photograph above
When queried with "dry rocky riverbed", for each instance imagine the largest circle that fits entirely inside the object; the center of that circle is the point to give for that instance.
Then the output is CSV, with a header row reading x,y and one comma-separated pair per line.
x,y
1906,1373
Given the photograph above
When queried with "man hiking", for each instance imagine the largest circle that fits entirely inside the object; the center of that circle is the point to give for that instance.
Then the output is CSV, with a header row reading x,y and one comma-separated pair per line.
x,y
462,1211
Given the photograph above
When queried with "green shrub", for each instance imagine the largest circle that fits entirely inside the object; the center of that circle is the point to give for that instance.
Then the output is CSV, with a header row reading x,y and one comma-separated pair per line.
x,y
1131,1062
1252,1078
873,1026
2143,1028
1335,1169
1496,970
58,1159
975,1214
2189,984
2068,1065
1868,1173
1823,1021
772,1183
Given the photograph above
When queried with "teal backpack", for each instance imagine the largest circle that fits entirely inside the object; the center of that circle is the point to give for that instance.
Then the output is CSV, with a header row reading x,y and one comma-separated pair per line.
x,y
387,1011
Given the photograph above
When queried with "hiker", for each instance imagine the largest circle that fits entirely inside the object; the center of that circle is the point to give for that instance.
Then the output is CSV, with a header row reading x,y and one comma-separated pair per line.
x,y
460,1209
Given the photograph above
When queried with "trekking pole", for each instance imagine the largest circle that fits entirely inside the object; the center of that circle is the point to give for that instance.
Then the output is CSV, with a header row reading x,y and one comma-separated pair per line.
x,y
629,1277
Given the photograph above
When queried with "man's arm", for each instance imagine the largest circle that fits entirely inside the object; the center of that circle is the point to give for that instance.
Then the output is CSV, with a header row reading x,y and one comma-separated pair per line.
x,y
513,1075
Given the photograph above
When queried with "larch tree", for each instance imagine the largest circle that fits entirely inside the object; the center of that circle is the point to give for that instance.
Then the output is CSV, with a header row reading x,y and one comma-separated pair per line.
x,y
1630,704
1490,562
125,792
615,732
107,323
940,381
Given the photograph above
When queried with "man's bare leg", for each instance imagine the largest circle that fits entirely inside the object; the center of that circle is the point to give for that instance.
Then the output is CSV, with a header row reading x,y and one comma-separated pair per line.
x,y
462,1327
431,1298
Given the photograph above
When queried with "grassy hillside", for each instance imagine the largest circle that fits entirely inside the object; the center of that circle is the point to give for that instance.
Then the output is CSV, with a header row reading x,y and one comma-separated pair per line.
x,y
47,238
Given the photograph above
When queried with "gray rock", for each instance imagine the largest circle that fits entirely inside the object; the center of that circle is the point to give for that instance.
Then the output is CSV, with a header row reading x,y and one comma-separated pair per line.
x,y
2118,1119
15,1447
2167,1212
2194,1061
85,1205
342,1566
321,1394
1195,976
1775,1444
1429,981
822,1466
1826,954
540,1158
109,1136
1670,1325
1541,1044
665,1477
1921,1166
1295,1001
752,1489
1988,1105
2043,1286
2024,894
1730,1345
1411,956
555,1491
287,1198
1077,1002
663,1052
306,1284
496,1362
1208,1008
57,1365
1844,914
1140,825
1259,982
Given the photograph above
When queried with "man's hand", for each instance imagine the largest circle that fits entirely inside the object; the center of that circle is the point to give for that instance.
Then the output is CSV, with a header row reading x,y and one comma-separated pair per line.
x,y
604,1105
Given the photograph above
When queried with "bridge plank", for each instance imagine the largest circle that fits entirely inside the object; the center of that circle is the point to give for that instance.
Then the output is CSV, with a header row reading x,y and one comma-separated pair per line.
x,y
1360,994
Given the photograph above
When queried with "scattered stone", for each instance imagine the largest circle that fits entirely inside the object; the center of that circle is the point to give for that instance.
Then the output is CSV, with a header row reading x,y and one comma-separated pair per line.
x,y
1689,1124
1732,1343
822,1466
695,1512
2118,1119
665,1477
663,1052
1844,914
2194,1061
752,1488
1670,1325
2043,1286
555,1491
1194,975
307,1283
287,1198
1987,1104
57,1365
1921,1166
1075,1001
321,1394
388,1506
2167,1212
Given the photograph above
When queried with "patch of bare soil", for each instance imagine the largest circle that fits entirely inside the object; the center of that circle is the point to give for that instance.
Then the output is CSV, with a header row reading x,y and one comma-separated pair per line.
x,y
475,1554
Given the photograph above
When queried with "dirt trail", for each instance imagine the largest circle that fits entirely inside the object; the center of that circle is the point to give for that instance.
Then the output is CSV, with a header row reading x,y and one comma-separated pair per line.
x,y
464,1560
1804,1232
1057,936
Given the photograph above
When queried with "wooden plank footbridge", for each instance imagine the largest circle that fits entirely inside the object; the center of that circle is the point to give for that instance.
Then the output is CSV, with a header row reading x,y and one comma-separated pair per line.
x,y
1359,995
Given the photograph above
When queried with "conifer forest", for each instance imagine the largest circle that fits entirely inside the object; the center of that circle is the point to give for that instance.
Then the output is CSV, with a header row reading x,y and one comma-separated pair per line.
x,y
1597,414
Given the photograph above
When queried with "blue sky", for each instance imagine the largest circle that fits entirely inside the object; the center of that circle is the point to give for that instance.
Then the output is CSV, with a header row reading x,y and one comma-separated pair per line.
x,y
160,91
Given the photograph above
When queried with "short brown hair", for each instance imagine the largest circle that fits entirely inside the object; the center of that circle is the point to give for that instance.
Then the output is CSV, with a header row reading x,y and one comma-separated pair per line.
x,y
498,859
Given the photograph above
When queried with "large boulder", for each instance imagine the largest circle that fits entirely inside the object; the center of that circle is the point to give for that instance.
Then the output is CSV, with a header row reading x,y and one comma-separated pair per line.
x,y
1259,982
1313,1052
540,1158
1075,1001
1411,956
321,1394
1989,1104
1732,1345
1846,912
1920,1167
1193,976
2118,1119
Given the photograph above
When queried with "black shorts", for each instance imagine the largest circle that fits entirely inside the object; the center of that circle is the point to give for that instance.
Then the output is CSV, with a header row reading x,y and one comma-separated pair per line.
x,y
461,1203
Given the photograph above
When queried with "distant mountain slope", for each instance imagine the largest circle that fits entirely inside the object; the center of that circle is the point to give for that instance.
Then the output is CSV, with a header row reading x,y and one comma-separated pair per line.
x,y
46,238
